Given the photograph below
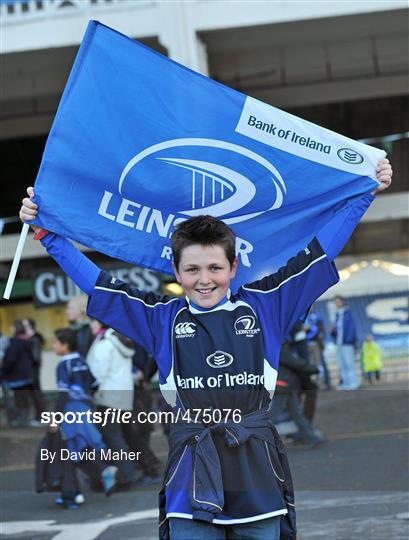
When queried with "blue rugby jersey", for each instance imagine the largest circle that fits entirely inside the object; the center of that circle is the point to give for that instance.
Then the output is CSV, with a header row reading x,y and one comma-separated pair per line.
x,y
222,358
75,379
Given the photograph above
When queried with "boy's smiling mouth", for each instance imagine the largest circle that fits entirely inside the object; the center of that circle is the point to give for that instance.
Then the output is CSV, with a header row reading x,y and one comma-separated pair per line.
x,y
206,291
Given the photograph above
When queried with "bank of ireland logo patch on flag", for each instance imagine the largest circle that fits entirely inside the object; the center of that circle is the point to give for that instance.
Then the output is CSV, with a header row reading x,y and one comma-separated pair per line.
x,y
350,156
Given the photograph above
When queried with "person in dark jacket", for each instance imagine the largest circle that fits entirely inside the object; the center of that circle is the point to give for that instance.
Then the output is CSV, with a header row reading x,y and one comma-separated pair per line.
x,y
18,373
57,474
37,343
308,387
292,369
138,434
316,345
7,393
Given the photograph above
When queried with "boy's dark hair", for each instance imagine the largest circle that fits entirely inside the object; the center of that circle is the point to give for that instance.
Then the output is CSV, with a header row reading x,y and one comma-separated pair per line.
x,y
67,336
206,231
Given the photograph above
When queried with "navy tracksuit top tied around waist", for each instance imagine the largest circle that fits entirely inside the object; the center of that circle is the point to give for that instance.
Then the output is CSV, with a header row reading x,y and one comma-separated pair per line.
x,y
208,490
223,358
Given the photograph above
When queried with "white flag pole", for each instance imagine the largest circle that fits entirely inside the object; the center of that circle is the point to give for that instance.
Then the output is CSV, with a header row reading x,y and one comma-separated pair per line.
x,y
16,261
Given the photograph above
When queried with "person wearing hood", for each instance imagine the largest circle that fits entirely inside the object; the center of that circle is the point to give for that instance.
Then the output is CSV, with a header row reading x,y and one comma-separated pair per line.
x,y
110,361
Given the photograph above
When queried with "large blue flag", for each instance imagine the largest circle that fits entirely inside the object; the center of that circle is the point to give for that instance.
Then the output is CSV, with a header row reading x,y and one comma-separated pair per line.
x,y
140,143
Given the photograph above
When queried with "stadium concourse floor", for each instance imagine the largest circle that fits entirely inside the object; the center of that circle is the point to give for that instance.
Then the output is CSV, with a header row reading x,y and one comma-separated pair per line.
x,y
354,486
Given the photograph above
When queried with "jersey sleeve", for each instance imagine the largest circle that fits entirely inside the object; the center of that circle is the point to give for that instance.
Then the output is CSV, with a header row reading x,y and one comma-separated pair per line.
x,y
335,234
63,385
63,382
136,314
76,265
285,296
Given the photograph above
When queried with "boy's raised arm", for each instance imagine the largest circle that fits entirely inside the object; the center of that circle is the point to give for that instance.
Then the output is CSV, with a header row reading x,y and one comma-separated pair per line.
x,y
83,272
335,234
286,295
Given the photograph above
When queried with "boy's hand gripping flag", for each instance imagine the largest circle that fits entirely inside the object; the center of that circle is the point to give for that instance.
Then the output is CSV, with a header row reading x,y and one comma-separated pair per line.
x,y
140,142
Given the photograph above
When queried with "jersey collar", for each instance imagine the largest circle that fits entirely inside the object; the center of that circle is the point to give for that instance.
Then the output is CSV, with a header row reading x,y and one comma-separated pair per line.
x,y
194,308
69,356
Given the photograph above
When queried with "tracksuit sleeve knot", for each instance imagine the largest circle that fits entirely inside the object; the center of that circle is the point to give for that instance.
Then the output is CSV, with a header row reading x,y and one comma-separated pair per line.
x,y
234,434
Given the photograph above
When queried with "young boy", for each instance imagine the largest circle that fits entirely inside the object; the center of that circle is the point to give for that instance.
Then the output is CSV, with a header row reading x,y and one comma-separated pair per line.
x,y
76,385
217,353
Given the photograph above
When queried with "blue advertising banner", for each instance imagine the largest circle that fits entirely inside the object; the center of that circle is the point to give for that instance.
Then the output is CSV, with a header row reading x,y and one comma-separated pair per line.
x,y
140,143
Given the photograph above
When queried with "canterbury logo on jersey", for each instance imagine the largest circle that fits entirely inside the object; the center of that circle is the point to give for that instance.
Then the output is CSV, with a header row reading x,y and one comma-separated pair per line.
x,y
185,330
245,326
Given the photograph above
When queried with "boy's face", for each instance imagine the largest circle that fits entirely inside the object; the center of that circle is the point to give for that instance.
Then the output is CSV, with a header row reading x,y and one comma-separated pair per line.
x,y
204,273
60,348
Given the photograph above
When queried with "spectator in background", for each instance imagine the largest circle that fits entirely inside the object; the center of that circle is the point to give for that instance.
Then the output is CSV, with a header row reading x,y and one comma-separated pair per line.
x,y
7,396
371,356
76,313
37,342
18,375
144,369
4,341
308,388
344,333
292,369
110,361
298,340
314,326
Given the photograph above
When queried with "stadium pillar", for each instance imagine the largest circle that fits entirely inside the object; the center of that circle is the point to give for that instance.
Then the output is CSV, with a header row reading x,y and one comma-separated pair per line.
x,y
179,37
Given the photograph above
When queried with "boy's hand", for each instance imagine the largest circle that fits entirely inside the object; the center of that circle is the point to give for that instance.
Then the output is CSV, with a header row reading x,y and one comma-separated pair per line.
x,y
29,209
383,174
